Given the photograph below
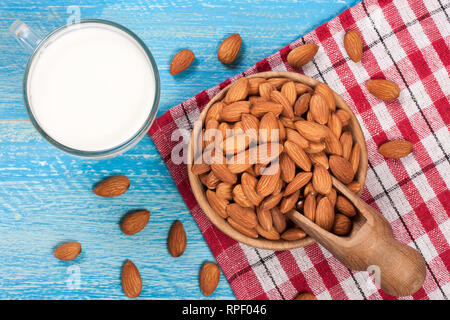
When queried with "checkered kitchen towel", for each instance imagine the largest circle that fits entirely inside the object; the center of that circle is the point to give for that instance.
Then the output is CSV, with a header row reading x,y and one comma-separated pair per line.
x,y
407,42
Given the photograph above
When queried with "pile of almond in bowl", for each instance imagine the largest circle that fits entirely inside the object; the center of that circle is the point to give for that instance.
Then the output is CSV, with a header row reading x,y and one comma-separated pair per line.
x,y
270,146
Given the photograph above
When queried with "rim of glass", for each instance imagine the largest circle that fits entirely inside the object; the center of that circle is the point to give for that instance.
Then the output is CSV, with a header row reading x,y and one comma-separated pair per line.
x,y
107,152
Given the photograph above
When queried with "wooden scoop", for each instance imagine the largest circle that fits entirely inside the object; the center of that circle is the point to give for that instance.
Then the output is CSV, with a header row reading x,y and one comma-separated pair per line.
x,y
371,243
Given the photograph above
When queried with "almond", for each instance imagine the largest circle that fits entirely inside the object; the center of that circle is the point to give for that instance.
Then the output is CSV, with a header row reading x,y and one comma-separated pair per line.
x,y
344,116
277,82
240,198
309,189
282,130
332,144
271,201
268,128
297,155
177,242
319,108
278,219
288,90
265,89
353,45
383,89
342,225
235,144
354,186
260,108
300,180
135,222
324,214
219,205
395,149
287,167
238,91
250,125
241,162
305,296
309,207
302,55
214,111
249,232
131,280
267,183
224,190
209,278
211,181
302,104
321,180
233,112
294,136
344,206
268,152
327,93
272,234
222,172
278,97
341,169
347,143
244,216
249,183
355,156
229,48
314,147
335,125
301,88
68,251
319,158
253,85
199,168
332,196
312,131
264,218
181,61
288,123
113,186
289,202
293,234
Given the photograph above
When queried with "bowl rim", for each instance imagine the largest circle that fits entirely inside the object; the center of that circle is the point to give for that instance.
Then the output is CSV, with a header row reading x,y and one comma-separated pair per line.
x,y
198,189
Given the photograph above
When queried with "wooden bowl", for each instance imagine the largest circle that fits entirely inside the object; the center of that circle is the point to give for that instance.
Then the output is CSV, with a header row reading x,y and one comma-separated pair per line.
x,y
199,190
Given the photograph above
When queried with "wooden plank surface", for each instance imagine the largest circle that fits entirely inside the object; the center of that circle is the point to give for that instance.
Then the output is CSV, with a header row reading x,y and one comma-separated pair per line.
x,y
46,196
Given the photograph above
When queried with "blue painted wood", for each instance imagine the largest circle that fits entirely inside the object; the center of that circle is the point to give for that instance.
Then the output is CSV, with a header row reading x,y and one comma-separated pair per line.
x,y
46,196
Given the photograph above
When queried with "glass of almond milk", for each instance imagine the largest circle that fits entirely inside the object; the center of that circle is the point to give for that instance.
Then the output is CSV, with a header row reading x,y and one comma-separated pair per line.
x,y
91,88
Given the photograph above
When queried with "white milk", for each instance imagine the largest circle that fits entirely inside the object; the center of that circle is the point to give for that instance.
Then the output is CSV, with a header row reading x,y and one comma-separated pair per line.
x,y
91,87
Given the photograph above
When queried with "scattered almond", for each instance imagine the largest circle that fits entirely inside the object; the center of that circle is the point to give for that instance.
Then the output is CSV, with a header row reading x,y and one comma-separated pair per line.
x,y
396,149
113,186
305,296
301,55
177,239
68,251
353,45
209,278
229,48
131,280
135,222
383,89
181,61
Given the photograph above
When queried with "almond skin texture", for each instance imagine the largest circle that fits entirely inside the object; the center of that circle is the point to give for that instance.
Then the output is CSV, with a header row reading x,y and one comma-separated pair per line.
x,y
112,187
324,214
238,91
229,48
209,278
342,225
345,207
309,207
244,216
68,251
249,232
181,61
383,89
297,154
312,131
341,169
219,205
321,180
301,55
319,109
135,222
353,45
293,234
396,149
177,239
300,180
131,280
233,112
327,93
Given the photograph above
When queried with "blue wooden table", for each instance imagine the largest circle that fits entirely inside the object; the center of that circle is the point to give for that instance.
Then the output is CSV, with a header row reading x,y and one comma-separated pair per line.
x,y
46,196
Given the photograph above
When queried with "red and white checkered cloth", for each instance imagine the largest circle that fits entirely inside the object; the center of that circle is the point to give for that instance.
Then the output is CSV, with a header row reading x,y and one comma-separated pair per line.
x,y
407,42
